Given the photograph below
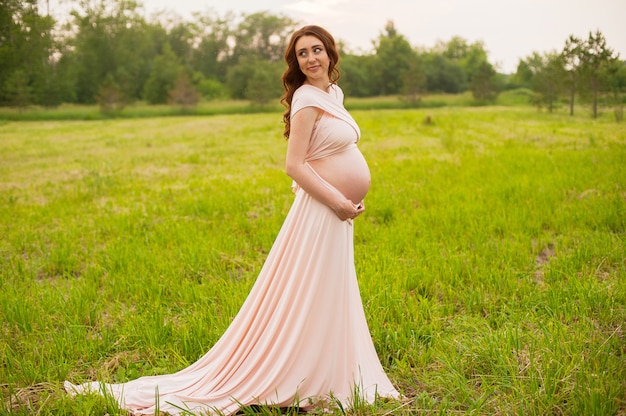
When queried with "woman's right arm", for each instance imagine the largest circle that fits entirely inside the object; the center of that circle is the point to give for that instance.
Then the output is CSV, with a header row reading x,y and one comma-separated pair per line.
x,y
302,123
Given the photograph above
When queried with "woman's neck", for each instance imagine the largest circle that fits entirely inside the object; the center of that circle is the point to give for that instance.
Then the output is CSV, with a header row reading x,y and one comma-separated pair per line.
x,y
322,84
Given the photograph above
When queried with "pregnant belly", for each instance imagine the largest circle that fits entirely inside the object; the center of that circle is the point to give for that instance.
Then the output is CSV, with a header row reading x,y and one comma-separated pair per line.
x,y
347,171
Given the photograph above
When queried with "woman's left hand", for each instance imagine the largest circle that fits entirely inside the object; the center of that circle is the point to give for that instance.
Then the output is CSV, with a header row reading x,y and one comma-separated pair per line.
x,y
359,208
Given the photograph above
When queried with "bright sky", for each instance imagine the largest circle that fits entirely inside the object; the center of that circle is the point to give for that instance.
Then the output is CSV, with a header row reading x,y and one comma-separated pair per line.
x,y
509,29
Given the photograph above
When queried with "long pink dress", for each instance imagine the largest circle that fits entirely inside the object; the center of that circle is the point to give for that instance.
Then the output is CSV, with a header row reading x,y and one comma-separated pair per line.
x,y
301,334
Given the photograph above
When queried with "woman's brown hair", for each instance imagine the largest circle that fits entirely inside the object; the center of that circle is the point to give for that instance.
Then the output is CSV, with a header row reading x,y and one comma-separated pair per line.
x,y
293,77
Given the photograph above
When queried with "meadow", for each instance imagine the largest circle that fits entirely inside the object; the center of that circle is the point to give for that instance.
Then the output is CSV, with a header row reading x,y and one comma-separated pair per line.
x,y
141,109
491,257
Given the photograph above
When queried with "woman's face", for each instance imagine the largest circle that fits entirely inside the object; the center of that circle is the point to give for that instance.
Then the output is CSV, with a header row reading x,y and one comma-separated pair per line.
x,y
312,58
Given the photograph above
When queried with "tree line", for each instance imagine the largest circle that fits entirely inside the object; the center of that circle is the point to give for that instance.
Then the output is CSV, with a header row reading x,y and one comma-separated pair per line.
x,y
587,68
108,53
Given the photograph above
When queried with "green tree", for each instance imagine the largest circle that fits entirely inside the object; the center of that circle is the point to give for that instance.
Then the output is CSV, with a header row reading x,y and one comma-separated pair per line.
x,y
548,82
261,86
414,80
210,88
393,56
523,75
546,77
258,46
356,79
51,88
572,58
262,36
596,58
181,37
183,93
135,46
109,37
64,76
18,92
484,85
238,75
212,54
616,73
26,45
240,79
110,97
442,74
93,57
471,58
165,70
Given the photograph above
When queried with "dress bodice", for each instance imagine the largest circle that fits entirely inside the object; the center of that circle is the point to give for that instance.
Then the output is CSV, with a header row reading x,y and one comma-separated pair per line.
x,y
335,131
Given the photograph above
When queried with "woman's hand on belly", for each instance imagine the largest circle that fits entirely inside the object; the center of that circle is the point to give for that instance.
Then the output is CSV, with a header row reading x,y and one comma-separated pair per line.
x,y
350,211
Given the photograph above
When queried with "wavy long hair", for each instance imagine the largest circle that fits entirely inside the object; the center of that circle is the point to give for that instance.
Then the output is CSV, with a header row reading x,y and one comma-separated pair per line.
x,y
293,77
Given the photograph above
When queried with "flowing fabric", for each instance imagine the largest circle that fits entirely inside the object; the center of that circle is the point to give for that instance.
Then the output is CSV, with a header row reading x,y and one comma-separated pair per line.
x,y
300,336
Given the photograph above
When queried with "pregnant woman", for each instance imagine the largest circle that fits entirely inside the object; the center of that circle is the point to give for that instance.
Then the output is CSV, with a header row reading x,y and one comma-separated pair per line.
x,y
301,336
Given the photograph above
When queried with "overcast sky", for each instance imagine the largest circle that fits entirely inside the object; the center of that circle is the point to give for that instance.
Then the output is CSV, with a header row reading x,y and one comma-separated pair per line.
x,y
509,29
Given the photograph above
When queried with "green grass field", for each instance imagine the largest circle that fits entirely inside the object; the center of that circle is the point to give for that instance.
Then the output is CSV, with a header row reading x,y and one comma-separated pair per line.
x,y
491,257
518,97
